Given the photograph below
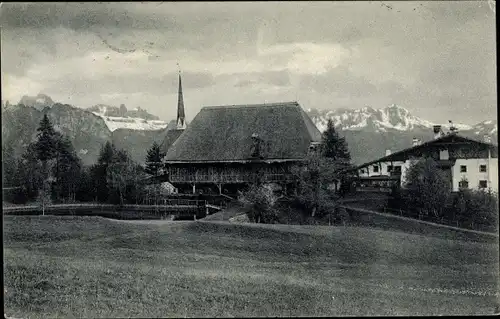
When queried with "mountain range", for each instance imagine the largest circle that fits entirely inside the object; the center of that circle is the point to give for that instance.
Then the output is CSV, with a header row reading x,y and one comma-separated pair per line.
x,y
369,132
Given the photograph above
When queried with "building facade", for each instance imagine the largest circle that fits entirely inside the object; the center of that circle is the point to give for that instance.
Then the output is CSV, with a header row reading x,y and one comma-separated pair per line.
x,y
227,147
466,162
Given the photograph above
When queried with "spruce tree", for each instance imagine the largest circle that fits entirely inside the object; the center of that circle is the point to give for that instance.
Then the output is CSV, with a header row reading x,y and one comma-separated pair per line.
x,y
46,144
67,170
107,153
46,150
98,172
154,160
334,146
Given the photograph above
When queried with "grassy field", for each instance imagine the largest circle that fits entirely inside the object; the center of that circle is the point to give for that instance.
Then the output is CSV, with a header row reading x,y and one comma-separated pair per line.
x,y
94,267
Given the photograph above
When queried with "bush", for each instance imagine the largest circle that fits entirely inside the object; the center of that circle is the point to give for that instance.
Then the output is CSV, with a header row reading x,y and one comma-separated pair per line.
x,y
260,200
478,206
427,188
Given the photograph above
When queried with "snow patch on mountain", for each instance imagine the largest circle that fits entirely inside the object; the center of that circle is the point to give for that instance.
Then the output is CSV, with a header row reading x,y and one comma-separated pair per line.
x,y
133,123
127,122
488,127
393,117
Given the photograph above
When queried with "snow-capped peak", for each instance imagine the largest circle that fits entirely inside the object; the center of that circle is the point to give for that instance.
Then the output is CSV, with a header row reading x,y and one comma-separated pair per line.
x,y
487,127
392,117
135,119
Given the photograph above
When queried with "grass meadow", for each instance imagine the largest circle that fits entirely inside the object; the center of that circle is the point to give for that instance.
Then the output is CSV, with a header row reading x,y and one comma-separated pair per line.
x,y
96,267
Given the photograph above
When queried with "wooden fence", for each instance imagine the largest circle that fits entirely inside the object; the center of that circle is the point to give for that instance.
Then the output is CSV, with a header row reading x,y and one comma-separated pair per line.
x,y
173,207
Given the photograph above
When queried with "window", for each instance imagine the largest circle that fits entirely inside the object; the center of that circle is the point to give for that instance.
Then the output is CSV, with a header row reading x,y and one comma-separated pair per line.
x,y
389,168
482,168
362,171
375,169
397,169
463,184
483,184
444,155
463,169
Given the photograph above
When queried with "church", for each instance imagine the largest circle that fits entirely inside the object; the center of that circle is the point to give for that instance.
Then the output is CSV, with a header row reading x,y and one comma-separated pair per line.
x,y
228,147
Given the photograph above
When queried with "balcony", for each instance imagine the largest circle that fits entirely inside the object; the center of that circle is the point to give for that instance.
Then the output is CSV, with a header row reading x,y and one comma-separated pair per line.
x,y
395,173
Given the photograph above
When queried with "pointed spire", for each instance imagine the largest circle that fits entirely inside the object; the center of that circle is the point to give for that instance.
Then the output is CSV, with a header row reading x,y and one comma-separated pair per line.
x,y
180,105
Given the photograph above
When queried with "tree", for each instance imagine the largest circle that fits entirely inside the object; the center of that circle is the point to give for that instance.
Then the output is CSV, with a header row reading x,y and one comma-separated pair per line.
x,y
313,179
67,171
28,175
46,150
477,206
85,188
154,160
120,175
333,145
321,170
427,187
9,165
260,200
106,154
99,172
46,144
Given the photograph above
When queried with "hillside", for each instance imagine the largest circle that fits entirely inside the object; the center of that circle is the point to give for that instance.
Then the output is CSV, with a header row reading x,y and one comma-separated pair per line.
x,y
87,131
368,131
99,268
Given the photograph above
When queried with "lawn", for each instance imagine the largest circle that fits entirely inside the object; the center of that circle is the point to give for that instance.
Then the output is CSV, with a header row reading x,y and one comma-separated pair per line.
x,y
95,267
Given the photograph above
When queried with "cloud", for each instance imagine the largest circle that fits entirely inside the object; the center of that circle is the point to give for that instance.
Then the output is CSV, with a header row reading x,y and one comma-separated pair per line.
x,y
274,78
79,16
326,54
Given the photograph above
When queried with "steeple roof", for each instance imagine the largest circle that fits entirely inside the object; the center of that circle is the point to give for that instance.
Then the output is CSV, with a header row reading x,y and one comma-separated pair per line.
x,y
181,116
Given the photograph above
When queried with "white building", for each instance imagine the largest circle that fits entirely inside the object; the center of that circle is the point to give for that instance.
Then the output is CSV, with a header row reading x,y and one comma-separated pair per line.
x,y
467,162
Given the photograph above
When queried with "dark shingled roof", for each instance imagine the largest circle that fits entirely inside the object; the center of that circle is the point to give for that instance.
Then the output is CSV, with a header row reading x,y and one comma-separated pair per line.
x,y
170,137
224,133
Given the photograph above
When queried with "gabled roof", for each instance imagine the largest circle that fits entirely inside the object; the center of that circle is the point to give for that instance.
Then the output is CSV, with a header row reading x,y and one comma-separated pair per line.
x,y
170,137
447,139
224,133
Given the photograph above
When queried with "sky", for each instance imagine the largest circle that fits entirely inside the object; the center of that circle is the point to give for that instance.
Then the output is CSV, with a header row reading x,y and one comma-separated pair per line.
x,y
435,58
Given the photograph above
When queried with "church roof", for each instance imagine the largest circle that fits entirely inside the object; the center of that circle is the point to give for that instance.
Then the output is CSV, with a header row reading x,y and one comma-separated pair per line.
x,y
170,137
224,133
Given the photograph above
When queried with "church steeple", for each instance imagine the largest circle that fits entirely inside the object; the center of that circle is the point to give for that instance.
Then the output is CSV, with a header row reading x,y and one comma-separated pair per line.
x,y
181,116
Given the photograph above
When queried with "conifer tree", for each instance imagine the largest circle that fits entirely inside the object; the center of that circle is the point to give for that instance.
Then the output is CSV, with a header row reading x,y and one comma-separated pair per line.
x,y
46,150
98,172
334,146
67,170
154,160
46,144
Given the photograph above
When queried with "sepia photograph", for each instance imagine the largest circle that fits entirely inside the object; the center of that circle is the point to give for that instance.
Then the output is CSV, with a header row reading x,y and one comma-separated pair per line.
x,y
249,159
